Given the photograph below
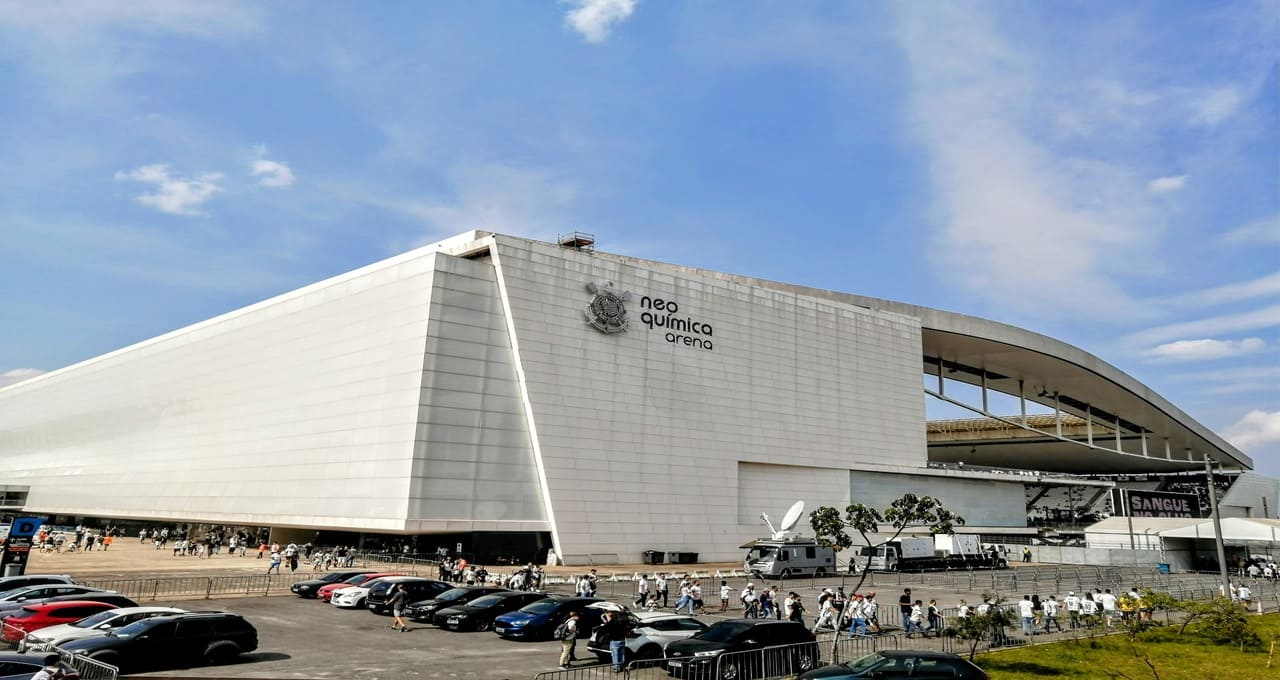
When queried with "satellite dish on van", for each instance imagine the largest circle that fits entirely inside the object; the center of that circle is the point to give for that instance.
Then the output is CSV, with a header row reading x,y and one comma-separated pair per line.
x,y
793,515
788,521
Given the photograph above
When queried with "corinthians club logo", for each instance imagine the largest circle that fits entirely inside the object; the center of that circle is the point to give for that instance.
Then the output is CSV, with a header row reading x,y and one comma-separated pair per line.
x,y
606,311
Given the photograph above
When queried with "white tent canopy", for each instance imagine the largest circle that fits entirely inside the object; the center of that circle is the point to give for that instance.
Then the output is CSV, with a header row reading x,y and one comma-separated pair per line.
x,y
1234,530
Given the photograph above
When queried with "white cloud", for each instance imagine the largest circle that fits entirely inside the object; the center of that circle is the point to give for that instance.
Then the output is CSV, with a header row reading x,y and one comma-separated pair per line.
x,y
1020,220
1216,105
1162,185
1202,350
17,375
1265,286
1261,231
1266,317
1256,431
272,173
174,194
594,19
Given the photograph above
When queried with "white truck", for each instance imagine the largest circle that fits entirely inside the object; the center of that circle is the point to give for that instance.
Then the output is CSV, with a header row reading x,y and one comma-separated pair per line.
x,y
932,553
789,558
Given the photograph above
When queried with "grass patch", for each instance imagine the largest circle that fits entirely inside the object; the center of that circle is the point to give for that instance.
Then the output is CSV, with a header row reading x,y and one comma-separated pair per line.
x,y
1176,657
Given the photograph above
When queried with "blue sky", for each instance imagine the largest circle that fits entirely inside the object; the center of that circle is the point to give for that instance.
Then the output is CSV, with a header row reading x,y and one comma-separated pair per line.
x,y
1106,173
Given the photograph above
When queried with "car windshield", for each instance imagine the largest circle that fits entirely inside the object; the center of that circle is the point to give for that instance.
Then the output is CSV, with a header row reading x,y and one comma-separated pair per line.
x,y
540,607
724,631
357,579
487,601
17,592
452,594
762,552
91,621
331,577
867,663
137,628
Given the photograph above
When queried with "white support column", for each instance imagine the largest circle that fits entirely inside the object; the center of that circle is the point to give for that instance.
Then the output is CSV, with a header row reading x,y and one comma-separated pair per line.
x,y
1119,447
1022,402
1144,443
1168,452
1088,422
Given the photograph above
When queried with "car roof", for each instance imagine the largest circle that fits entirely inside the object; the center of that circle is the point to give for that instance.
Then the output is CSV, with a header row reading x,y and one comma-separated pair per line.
x,y
646,617
923,654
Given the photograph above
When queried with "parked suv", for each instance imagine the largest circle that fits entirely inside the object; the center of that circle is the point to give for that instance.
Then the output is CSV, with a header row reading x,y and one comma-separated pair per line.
x,y
650,634
416,588
176,641
778,648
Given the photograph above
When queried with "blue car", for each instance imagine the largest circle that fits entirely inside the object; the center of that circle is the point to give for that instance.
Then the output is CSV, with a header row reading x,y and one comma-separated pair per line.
x,y
538,620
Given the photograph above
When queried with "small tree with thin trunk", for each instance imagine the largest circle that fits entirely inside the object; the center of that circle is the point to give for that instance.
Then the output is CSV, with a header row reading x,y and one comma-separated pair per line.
x,y
910,511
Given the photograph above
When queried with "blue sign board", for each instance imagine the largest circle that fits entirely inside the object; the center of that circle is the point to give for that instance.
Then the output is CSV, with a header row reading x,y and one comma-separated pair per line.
x,y
25,527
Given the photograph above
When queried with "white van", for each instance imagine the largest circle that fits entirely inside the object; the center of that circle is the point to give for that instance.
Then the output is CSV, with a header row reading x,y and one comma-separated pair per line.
x,y
789,558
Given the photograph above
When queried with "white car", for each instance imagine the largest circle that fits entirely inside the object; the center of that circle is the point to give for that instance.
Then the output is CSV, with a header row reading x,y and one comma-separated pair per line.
x,y
101,623
351,598
653,632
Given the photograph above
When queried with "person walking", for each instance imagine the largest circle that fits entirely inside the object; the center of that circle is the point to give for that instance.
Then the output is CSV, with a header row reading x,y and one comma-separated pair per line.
x,y
1073,609
275,563
567,633
857,616
1028,615
686,598
398,600
1051,614
663,591
934,617
725,591
642,590
262,549
904,607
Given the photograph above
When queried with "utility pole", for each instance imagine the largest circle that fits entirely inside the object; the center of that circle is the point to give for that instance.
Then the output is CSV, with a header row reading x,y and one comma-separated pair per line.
x,y
1217,525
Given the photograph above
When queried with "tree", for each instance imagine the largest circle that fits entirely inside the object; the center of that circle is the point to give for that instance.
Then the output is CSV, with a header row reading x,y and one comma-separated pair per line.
x,y
976,627
909,511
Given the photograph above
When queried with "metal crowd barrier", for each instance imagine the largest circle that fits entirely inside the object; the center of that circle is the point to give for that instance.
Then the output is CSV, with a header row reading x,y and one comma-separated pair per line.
x,y
207,587
89,669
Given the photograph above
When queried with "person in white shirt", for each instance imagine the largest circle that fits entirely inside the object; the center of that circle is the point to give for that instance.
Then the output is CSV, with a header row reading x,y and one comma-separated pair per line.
x,y
1245,595
642,590
1088,610
826,611
1027,613
750,601
1051,614
1108,606
1073,609
661,585
725,592
963,611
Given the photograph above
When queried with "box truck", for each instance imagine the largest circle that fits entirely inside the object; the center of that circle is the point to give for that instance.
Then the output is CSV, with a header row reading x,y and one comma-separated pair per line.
x,y
932,553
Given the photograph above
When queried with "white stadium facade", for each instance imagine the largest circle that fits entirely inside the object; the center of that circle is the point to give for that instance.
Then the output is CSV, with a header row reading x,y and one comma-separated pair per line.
x,y
517,397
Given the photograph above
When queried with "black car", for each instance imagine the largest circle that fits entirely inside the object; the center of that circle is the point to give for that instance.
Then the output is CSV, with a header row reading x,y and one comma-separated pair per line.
x,y
479,613
416,588
23,666
309,588
777,648
895,664
176,641
423,610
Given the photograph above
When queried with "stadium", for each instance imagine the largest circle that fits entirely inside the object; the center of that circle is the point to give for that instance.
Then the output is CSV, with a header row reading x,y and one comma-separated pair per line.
x,y
509,397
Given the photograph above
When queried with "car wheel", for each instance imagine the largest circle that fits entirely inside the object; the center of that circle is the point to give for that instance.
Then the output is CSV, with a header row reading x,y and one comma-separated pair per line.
x,y
482,626
820,573
221,653
786,574
728,671
649,652
805,660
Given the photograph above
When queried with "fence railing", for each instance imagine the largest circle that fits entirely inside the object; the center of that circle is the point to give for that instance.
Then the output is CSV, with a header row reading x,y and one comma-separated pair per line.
x,y
206,587
15,638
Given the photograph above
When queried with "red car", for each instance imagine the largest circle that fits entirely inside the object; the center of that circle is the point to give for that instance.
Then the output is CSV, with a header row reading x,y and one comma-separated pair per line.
x,y
36,616
326,592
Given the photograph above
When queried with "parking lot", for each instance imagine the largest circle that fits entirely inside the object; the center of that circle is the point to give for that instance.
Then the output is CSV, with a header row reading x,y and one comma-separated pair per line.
x,y
310,639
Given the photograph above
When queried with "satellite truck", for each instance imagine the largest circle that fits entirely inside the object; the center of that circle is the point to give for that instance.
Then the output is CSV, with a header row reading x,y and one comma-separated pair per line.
x,y
784,556
932,553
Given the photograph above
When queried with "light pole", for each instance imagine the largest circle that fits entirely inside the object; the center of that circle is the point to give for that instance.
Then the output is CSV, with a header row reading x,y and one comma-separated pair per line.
x,y
1217,526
